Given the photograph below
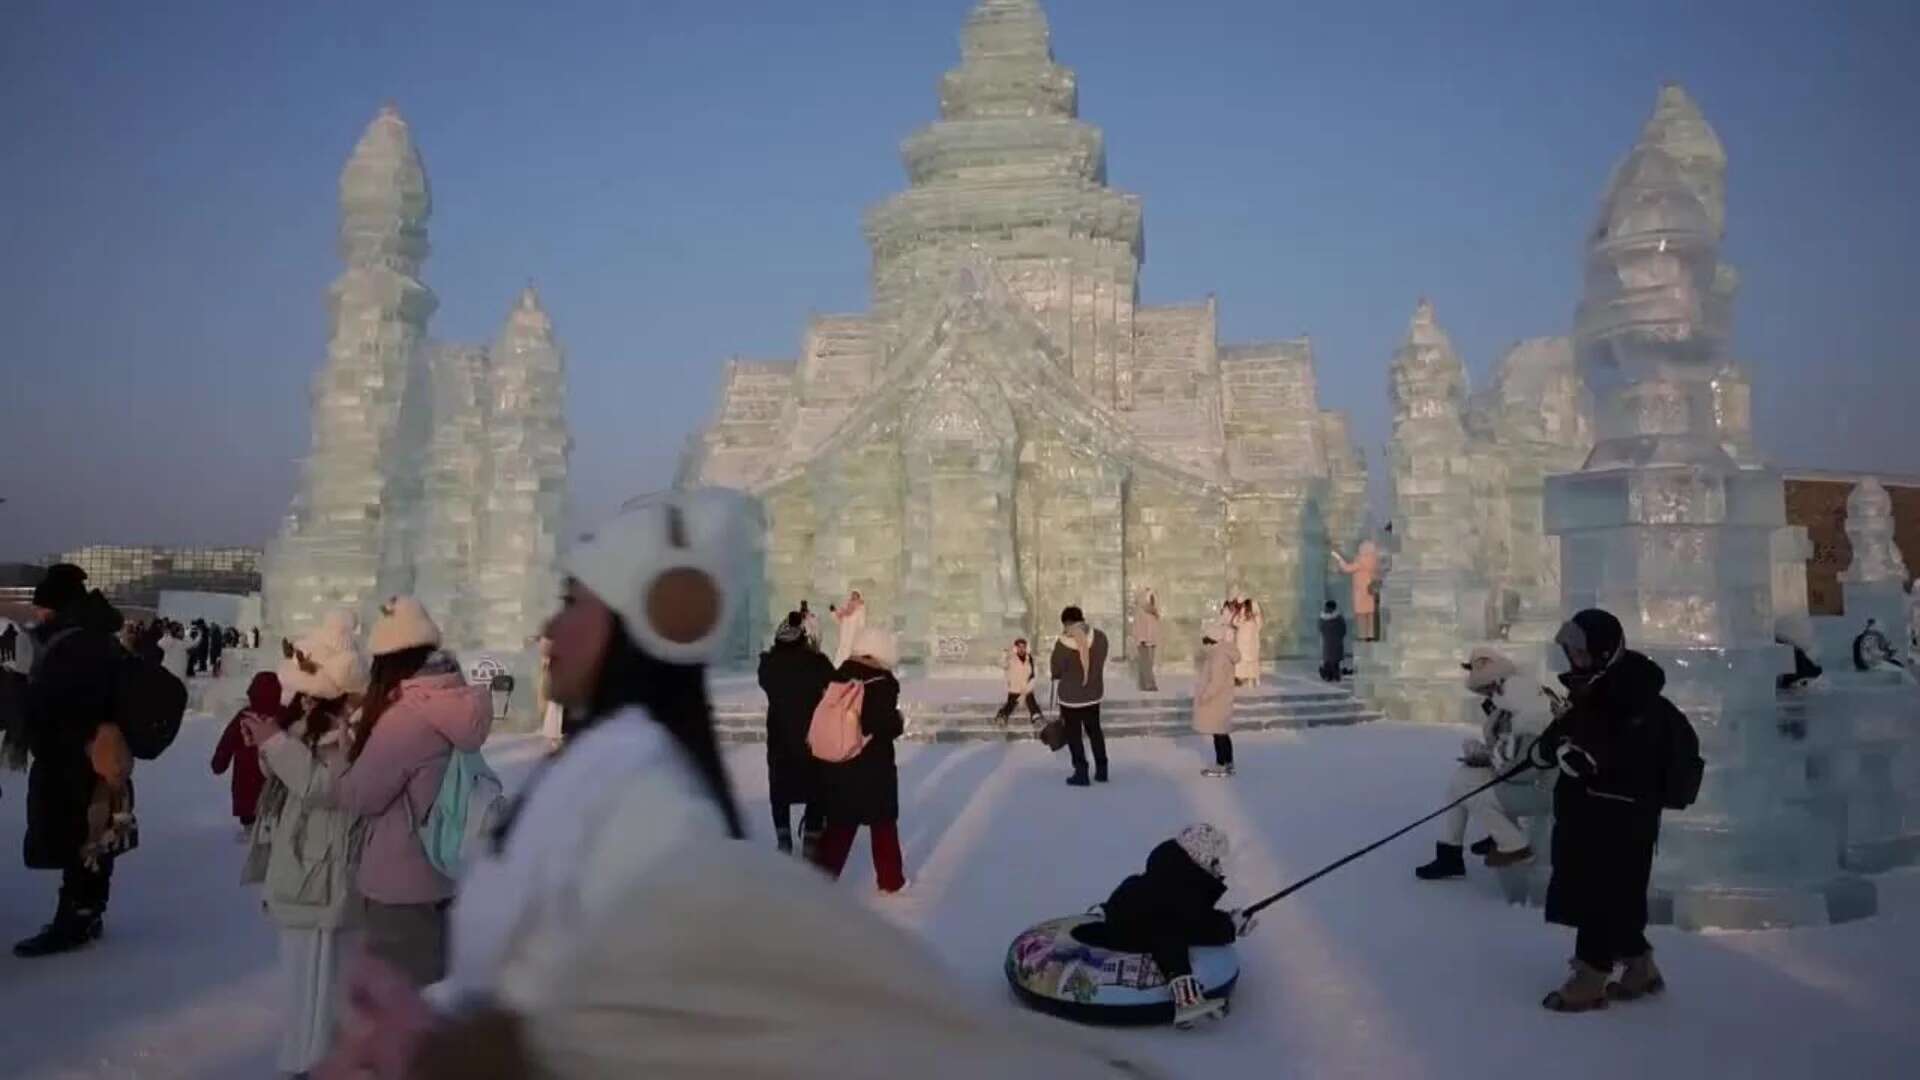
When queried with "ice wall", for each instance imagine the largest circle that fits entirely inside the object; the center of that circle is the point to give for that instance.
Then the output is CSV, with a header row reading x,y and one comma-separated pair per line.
x,y
336,548
1664,529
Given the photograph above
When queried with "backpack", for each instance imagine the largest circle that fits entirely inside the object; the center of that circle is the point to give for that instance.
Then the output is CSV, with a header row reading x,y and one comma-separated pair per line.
x,y
834,735
1684,768
469,806
148,705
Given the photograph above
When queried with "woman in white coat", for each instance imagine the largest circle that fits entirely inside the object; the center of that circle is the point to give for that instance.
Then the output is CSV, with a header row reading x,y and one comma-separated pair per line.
x,y
1246,634
1146,638
309,888
852,618
1213,696
613,929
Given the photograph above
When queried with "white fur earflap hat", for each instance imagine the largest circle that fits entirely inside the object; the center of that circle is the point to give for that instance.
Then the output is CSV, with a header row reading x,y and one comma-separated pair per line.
x,y
876,644
667,567
403,624
326,663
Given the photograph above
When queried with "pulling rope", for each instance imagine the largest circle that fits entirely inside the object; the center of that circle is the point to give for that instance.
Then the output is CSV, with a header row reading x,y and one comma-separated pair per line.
x,y
1383,841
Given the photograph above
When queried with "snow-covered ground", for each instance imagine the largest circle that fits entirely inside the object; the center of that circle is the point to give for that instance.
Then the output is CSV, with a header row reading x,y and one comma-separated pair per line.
x,y
1366,973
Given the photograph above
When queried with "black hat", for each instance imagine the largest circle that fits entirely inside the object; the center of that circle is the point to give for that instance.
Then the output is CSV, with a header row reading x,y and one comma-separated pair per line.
x,y
63,586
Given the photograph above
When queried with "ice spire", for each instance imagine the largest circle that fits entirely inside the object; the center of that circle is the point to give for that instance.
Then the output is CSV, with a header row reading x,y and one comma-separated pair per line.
x,y
1435,598
1876,557
1007,67
346,540
525,504
1680,130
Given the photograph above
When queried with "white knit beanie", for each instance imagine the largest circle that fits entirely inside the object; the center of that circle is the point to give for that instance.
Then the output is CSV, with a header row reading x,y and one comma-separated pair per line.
x,y
668,566
326,663
1206,846
403,624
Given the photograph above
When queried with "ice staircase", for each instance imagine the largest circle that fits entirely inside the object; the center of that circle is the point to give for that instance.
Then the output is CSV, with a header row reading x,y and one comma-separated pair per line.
x,y
1285,704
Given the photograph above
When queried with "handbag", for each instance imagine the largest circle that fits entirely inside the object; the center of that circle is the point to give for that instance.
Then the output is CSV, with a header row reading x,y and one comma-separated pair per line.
x,y
1053,733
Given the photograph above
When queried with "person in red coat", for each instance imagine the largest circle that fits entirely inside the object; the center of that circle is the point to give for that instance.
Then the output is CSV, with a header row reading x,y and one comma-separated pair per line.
x,y
237,750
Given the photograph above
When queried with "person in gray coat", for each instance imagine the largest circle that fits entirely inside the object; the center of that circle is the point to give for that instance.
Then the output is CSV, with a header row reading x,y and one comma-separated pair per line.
x,y
1078,668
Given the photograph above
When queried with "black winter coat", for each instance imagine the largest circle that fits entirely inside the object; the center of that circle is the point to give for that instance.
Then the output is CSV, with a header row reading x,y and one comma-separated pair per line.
x,y
866,790
1333,640
1173,900
794,675
1605,826
69,695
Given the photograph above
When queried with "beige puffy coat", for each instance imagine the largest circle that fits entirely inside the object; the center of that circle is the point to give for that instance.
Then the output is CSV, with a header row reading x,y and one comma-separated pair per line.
x,y
309,883
1213,688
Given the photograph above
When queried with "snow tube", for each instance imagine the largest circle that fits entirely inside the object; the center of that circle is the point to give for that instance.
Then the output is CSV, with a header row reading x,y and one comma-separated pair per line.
x,y
1061,968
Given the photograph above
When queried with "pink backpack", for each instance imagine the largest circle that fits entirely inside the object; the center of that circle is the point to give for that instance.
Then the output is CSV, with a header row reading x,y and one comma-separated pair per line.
x,y
835,735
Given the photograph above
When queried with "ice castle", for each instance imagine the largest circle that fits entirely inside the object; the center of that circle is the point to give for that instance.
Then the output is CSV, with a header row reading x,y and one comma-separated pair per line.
x,y
436,468
1010,430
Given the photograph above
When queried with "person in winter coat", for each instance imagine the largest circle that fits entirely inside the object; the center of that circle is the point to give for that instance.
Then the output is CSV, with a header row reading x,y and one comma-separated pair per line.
x,y
1078,668
1514,711
1246,639
1213,696
1170,908
794,675
810,625
196,648
1020,679
9,644
1609,746
1146,638
216,648
638,790
1872,651
308,889
1333,643
174,654
553,717
68,704
236,749
852,618
418,710
1365,572
866,790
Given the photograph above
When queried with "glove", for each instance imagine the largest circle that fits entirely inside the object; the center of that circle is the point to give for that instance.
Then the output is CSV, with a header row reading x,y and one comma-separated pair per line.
x,y
1243,923
1577,763
1541,755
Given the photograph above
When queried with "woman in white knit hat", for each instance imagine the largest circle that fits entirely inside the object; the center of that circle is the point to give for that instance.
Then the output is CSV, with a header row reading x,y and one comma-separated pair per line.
x,y
866,790
308,884
419,709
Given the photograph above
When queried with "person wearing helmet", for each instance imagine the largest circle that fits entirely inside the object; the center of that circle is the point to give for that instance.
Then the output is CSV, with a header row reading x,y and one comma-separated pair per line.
x,y
1169,909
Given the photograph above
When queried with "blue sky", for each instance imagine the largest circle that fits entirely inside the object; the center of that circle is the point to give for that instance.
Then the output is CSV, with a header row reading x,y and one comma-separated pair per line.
x,y
684,179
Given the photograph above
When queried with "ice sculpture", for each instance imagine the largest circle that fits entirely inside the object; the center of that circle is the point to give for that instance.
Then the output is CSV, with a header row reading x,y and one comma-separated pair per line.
x,y
1533,419
1664,529
437,469
1433,601
1874,585
336,548
1009,430
449,534
516,579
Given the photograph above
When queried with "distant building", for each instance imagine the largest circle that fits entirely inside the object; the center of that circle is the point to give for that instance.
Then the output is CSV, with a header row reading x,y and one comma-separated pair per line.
x,y
134,576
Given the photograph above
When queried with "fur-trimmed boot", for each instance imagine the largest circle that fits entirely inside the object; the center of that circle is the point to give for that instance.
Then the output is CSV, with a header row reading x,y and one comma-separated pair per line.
x,y
1584,990
1638,978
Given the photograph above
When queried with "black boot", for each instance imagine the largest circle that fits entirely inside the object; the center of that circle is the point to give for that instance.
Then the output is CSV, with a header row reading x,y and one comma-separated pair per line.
x,y
1446,863
1100,773
1482,846
1079,779
68,931
783,840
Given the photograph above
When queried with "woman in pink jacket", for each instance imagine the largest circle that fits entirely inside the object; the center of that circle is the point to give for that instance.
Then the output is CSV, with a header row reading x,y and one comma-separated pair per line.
x,y
418,710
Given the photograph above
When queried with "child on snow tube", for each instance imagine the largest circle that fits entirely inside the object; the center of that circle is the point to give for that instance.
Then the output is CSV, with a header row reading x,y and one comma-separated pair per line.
x,y
1169,909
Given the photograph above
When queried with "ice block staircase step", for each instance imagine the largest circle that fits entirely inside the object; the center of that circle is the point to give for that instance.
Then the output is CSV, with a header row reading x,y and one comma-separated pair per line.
x,y
1281,707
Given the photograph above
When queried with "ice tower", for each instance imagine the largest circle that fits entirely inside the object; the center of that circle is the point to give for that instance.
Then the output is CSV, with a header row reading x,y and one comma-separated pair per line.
x,y
1010,430
516,577
1874,585
336,548
1434,603
1664,529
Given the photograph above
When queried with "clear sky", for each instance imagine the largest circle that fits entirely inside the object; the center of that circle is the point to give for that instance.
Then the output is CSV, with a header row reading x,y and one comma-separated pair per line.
x,y
684,179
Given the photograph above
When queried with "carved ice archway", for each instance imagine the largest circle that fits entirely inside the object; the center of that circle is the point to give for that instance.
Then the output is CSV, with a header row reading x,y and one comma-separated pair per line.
x,y
959,446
